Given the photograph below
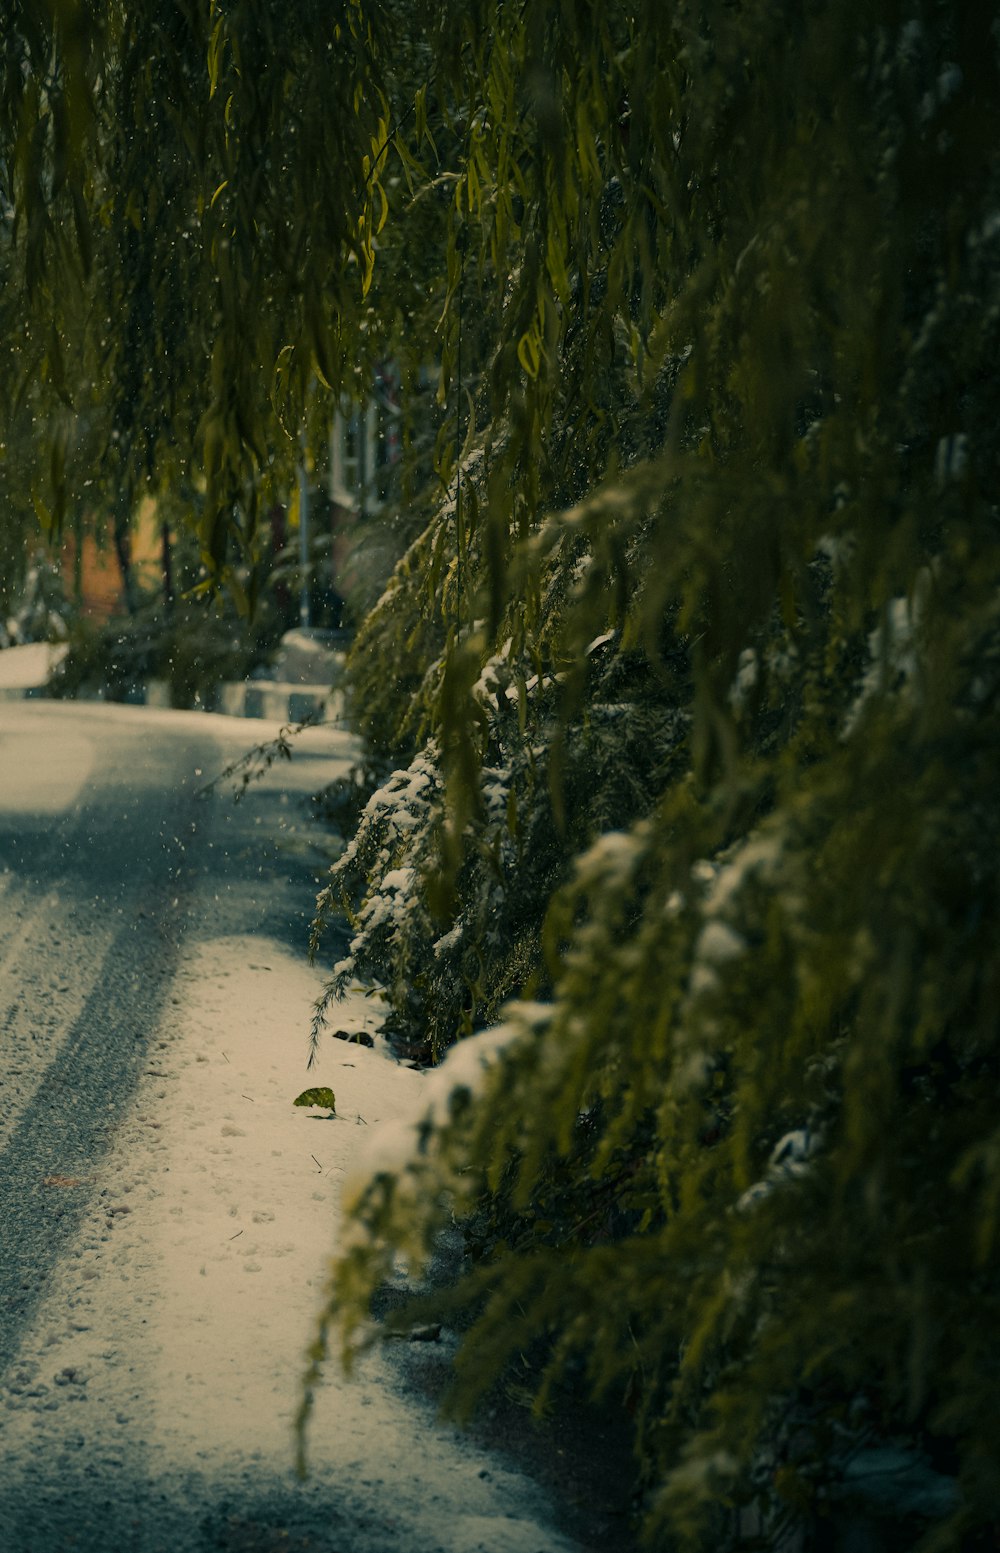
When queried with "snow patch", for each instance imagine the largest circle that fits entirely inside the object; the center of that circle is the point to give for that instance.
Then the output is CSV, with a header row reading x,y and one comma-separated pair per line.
x,y
28,667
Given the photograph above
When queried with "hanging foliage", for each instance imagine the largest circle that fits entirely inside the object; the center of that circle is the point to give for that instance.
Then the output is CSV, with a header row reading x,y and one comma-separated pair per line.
x,y
699,697
687,680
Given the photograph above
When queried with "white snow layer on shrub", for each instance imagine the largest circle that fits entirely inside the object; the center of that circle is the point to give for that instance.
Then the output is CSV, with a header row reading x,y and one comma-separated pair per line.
x,y
398,1147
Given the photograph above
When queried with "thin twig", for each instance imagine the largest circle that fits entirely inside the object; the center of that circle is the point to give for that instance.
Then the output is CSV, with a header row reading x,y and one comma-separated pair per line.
x,y
259,760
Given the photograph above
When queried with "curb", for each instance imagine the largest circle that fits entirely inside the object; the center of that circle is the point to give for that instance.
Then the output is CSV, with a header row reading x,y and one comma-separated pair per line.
x,y
274,700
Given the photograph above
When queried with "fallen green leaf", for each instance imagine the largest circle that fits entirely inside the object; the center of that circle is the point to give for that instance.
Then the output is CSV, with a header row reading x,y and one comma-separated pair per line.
x,y
322,1096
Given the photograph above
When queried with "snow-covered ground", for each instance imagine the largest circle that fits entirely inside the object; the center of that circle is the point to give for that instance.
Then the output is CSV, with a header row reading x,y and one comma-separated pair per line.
x,y
176,1327
185,1313
28,667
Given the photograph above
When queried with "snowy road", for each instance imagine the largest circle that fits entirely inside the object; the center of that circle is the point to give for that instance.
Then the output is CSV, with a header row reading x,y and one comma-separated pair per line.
x,y
110,866
166,1215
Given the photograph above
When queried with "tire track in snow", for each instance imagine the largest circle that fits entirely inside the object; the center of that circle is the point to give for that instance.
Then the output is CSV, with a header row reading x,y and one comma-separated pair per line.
x,y
117,876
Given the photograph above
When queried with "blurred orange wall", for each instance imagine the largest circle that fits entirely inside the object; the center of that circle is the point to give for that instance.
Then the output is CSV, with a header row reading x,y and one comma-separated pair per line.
x,y
102,594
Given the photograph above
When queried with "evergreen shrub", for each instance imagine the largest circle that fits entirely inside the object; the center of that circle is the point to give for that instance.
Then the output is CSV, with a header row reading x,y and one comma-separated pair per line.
x,y
691,685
